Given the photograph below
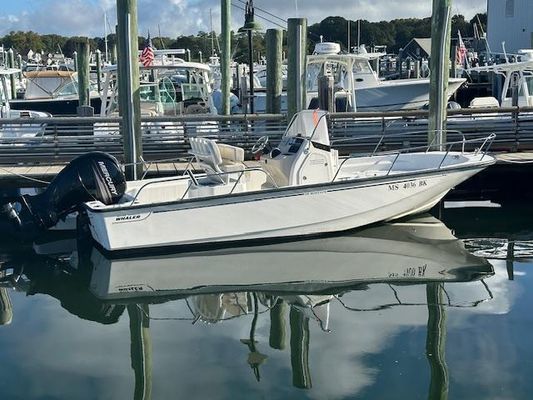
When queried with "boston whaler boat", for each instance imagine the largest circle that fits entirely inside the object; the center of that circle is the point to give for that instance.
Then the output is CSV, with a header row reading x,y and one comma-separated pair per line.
x,y
300,188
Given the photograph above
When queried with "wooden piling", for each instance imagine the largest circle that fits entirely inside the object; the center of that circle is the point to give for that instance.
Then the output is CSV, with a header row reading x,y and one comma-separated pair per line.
x,y
274,79
11,64
301,375
326,93
297,57
141,350
6,308
278,325
99,70
82,62
225,60
19,66
439,65
436,342
129,99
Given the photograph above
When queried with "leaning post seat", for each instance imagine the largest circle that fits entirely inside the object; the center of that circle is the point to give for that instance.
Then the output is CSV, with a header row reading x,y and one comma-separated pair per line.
x,y
216,158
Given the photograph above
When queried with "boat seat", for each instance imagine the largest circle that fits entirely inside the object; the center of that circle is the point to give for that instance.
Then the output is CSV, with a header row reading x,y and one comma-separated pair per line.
x,y
217,159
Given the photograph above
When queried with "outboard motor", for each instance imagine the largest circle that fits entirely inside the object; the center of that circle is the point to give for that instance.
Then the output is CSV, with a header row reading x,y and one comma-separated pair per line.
x,y
92,176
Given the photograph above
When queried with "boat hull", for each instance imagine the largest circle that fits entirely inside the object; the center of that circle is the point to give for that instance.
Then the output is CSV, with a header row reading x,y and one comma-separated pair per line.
x,y
406,94
267,214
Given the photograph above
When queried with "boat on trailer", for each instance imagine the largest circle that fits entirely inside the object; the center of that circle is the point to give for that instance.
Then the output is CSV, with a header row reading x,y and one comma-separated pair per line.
x,y
300,188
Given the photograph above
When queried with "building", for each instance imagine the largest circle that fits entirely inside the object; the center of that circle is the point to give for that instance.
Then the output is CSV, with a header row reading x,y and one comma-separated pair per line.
x,y
417,49
510,21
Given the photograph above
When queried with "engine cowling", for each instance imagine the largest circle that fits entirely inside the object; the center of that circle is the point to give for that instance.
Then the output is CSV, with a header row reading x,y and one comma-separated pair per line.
x,y
92,176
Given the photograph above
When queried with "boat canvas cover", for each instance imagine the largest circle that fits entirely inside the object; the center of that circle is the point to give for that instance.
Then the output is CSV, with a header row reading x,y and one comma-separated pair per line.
x,y
44,84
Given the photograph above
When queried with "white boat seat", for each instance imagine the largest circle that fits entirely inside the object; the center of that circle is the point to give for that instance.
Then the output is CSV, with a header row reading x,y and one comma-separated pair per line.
x,y
217,159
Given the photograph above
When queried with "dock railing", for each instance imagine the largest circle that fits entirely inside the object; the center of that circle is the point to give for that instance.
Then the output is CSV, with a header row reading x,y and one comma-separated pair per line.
x,y
49,141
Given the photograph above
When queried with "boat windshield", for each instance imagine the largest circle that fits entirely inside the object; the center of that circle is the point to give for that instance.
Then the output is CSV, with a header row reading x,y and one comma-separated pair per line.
x,y
162,91
362,67
71,89
338,70
529,83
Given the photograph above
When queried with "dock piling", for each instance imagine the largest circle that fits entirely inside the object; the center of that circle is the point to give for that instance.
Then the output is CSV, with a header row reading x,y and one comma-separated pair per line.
x,y
11,64
129,98
274,82
439,67
82,62
99,70
297,57
326,93
226,56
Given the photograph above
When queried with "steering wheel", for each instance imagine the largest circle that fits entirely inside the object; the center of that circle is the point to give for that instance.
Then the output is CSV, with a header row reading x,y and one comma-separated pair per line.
x,y
260,144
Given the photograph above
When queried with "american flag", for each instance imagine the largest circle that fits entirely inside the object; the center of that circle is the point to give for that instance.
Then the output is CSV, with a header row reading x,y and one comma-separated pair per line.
x,y
461,52
147,55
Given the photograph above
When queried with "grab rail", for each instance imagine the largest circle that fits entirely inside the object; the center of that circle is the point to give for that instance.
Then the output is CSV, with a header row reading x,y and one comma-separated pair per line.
x,y
191,180
485,146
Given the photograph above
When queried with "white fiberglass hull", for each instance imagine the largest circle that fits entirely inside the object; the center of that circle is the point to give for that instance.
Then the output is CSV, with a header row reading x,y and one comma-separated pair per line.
x,y
286,212
402,94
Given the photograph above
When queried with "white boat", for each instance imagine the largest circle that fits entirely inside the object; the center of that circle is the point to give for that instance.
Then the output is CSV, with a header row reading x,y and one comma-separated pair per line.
x,y
301,188
19,126
53,91
413,251
517,74
358,86
169,87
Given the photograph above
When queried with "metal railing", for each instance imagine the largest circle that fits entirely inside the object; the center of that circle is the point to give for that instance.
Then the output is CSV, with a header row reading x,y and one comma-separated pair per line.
x,y
48,141
486,143
191,181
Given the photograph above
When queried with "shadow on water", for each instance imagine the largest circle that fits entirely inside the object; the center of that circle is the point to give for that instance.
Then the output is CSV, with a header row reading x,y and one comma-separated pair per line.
x,y
293,284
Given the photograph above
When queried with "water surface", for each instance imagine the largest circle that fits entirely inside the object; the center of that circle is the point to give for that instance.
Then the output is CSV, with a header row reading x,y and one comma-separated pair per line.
x,y
425,308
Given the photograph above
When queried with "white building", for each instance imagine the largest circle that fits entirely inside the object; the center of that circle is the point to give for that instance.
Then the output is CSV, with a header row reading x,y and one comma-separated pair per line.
x,y
510,21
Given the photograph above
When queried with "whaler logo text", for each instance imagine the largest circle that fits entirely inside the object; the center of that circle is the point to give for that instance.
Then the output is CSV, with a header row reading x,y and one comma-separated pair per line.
x,y
127,218
108,178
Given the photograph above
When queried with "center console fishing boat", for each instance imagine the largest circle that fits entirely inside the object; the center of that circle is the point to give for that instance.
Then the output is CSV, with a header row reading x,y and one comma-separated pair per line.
x,y
300,188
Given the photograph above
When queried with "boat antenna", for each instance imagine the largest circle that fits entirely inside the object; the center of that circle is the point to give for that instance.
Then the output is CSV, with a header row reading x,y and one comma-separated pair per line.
x,y
160,38
108,25
504,52
483,35
105,36
212,32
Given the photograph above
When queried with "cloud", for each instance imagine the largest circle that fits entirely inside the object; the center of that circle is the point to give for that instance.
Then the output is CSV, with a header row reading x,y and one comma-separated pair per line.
x,y
185,17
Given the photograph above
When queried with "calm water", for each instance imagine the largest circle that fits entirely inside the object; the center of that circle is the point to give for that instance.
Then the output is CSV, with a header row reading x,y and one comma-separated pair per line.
x,y
398,311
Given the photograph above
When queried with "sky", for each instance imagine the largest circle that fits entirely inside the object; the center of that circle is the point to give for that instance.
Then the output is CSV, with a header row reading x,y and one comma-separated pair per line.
x,y
186,17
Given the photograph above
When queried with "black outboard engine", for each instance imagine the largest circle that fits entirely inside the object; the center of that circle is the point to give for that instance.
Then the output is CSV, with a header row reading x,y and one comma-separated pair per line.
x,y
92,176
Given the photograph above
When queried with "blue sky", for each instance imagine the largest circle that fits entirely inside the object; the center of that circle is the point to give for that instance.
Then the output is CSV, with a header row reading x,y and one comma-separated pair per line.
x,y
184,17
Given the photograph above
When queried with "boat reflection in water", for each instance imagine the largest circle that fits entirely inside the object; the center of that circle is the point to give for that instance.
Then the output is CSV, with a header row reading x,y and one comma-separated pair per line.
x,y
416,250
293,283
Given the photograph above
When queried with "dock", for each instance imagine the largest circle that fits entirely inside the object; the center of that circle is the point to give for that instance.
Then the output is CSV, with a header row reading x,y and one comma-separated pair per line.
x,y
33,159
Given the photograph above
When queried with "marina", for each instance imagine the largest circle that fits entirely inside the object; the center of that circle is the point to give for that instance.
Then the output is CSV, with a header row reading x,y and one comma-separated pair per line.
x,y
242,199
